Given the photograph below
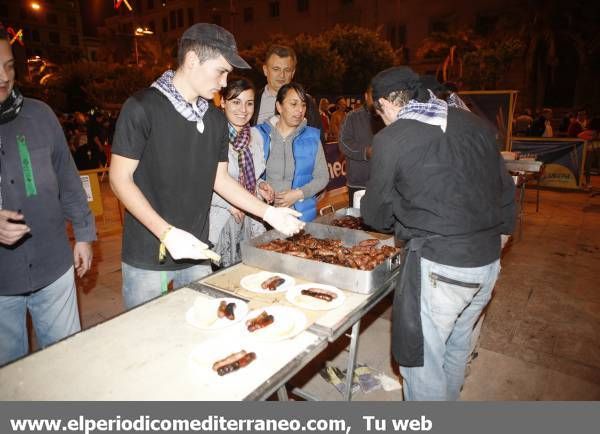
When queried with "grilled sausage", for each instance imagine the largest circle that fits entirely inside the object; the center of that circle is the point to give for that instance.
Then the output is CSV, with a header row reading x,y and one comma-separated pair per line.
x,y
369,243
321,294
222,309
228,360
272,283
261,321
245,360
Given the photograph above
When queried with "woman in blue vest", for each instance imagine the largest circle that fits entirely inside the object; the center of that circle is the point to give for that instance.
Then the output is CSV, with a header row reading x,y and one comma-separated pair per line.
x,y
296,166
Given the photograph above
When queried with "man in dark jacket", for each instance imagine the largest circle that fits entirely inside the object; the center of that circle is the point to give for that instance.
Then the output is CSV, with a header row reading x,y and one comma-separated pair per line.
x,y
279,69
356,136
441,184
39,190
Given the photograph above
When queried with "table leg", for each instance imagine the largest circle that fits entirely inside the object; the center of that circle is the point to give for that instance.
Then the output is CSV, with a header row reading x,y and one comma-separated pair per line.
x,y
537,200
521,204
282,394
352,360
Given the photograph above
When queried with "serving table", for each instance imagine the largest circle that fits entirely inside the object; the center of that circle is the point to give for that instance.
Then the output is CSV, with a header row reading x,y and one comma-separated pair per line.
x,y
144,354
525,170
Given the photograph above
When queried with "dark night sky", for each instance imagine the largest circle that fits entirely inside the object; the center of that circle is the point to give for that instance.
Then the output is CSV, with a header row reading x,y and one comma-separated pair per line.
x,y
93,13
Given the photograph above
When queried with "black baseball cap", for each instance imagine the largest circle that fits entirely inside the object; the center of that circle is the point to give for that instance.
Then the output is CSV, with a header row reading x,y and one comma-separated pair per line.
x,y
430,82
394,79
219,38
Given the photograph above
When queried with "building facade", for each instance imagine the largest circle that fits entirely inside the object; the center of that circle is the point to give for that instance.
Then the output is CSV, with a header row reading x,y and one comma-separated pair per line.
x,y
52,29
403,22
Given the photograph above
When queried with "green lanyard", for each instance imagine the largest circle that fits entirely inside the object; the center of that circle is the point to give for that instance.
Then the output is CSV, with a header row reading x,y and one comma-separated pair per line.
x,y
30,188
164,282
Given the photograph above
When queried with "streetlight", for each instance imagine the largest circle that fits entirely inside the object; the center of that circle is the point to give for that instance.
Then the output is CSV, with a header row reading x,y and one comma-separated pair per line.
x,y
35,6
140,31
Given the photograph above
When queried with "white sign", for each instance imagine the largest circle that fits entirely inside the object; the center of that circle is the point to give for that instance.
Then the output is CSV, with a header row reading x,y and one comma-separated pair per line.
x,y
87,187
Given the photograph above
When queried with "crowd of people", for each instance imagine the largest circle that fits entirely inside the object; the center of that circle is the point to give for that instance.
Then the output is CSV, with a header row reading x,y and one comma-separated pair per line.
x,y
575,124
196,178
89,136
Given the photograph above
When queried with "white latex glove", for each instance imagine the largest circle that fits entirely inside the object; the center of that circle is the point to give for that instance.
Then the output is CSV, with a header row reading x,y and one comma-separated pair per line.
x,y
284,220
182,244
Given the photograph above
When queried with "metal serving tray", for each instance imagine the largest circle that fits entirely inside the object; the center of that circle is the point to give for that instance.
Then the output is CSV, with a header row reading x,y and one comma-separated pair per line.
x,y
342,212
327,219
350,279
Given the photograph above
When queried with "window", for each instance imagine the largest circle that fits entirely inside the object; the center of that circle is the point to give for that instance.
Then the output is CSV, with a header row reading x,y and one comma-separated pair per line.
x,y
165,25
216,19
302,5
35,35
152,26
71,21
51,18
180,18
347,2
74,39
150,4
190,16
273,9
54,38
173,19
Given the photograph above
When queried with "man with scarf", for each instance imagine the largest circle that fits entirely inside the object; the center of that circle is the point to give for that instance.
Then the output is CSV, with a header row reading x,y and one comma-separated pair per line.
x,y
442,186
169,152
39,190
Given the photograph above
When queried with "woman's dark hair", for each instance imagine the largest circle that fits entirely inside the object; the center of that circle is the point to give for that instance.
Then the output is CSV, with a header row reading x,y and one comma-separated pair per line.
x,y
283,91
3,33
235,86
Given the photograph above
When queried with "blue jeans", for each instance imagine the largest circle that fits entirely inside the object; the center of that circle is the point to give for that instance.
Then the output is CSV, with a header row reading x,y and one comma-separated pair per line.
x,y
140,286
54,314
452,300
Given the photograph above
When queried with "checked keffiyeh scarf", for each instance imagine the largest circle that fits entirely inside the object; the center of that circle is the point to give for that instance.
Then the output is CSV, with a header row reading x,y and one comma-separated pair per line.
x,y
432,112
240,141
192,112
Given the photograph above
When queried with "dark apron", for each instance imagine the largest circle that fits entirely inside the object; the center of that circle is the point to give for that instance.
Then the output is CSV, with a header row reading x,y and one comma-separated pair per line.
x,y
407,330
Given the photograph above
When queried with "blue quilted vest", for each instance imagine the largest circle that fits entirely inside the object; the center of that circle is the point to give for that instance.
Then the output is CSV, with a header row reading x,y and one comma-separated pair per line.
x,y
304,149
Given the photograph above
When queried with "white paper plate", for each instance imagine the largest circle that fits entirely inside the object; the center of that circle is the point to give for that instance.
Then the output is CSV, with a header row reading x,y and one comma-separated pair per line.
x,y
203,314
252,282
205,354
288,322
295,297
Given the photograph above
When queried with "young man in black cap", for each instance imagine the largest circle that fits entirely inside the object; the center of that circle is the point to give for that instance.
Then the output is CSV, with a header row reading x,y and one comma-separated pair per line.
x,y
441,184
169,152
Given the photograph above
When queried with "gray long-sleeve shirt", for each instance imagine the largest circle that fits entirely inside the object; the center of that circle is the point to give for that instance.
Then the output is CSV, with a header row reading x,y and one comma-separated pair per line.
x,y
280,165
43,255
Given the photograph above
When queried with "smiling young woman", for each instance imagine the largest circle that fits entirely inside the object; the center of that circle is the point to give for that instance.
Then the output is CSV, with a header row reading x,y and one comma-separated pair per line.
x,y
229,226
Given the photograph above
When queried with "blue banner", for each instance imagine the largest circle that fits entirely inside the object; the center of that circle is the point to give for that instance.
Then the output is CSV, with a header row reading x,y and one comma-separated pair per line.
x,y
563,159
336,163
